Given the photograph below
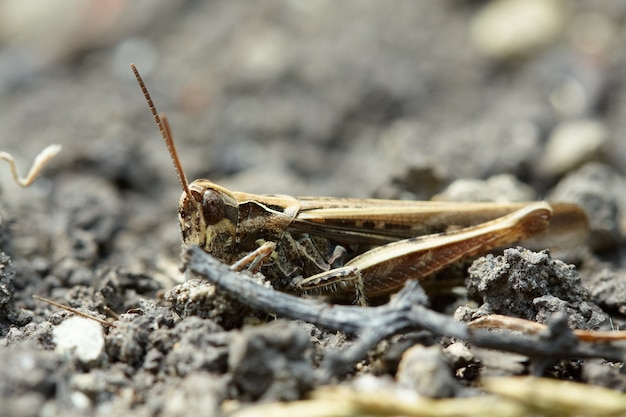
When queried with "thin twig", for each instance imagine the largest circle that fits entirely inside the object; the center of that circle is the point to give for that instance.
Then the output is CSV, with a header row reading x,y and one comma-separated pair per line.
x,y
499,321
405,312
74,310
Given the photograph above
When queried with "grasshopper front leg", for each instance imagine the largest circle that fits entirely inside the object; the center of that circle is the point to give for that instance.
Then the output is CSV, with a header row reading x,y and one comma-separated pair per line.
x,y
255,259
384,269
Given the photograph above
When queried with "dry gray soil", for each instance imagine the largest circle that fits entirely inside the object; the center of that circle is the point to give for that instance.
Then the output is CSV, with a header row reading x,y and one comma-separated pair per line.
x,y
360,99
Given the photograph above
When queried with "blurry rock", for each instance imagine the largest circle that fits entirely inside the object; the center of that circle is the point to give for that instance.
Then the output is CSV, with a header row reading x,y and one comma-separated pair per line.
x,y
81,337
199,394
608,289
202,299
200,345
89,213
425,370
10,314
598,189
506,29
459,354
499,188
498,363
264,58
482,148
596,372
464,362
532,285
573,143
31,378
272,362
131,338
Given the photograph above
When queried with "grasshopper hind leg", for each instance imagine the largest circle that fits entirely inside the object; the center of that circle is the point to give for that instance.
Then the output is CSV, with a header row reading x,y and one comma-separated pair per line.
x,y
335,281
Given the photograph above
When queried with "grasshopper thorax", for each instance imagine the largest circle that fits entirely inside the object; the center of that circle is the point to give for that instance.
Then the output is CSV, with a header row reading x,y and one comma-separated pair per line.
x,y
208,216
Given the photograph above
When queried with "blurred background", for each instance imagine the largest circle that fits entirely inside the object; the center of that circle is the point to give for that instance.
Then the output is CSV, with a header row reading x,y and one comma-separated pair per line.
x,y
359,98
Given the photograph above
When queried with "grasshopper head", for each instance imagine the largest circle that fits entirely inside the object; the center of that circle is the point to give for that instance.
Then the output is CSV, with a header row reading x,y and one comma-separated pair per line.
x,y
208,213
208,218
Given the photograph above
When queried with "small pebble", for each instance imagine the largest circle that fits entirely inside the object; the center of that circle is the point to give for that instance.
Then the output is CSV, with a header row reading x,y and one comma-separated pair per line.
x,y
81,337
573,143
499,188
597,188
426,371
79,401
458,354
506,29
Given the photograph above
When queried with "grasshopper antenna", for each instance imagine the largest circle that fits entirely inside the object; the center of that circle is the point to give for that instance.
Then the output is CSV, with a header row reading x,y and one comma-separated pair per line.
x,y
166,133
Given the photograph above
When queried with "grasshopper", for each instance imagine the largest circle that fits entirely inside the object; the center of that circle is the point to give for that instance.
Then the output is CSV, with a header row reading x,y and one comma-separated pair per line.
x,y
343,246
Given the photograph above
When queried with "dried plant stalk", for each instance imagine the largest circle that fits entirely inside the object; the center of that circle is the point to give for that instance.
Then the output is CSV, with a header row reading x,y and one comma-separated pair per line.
x,y
530,327
40,162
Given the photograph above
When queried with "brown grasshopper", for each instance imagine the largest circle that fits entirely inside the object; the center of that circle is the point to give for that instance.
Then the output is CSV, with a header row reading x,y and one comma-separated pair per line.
x,y
342,246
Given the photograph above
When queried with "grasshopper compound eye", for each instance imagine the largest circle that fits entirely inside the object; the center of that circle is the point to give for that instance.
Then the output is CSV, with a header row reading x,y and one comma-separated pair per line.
x,y
212,207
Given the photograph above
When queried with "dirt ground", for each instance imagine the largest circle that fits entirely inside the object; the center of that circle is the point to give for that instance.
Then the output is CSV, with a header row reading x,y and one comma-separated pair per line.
x,y
394,99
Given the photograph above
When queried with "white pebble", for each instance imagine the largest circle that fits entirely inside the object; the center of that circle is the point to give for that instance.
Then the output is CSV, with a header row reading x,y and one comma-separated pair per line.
x,y
573,143
501,188
510,28
81,337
